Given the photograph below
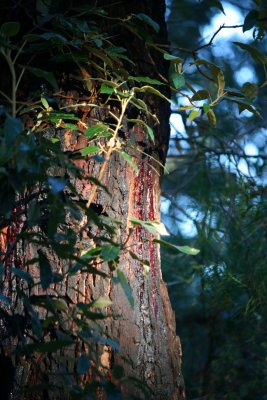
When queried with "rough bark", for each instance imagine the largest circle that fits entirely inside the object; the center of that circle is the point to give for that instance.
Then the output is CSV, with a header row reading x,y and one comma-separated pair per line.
x,y
146,333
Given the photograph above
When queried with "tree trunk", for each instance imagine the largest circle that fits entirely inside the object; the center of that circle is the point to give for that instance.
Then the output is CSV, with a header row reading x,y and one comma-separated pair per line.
x,y
149,350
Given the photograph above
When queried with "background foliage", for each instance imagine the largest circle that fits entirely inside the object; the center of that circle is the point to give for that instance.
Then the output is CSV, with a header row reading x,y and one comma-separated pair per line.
x,y
215,198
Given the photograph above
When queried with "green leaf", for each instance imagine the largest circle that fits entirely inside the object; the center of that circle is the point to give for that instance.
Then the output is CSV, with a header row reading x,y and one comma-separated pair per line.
x,y
184,249
83,364
110,252
54,37
216,4
106,89
152,90
206,108
155,227
251,20
250,90
48,76
101,302
149,21
170,57
129,159
220,82
178,80
51,347
95,129
255,54
200,95
145,79
23,275
46,274
10,28
141,122
212,118
193,114
90,150
244,104
44,103
126,287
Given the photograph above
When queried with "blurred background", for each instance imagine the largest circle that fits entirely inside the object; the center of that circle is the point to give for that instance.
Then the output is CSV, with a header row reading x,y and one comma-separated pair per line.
x,y
214,199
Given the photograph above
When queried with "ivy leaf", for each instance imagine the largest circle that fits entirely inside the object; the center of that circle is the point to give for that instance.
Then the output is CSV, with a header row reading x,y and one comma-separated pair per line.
x,y
184,249
129,159
251,20
255,54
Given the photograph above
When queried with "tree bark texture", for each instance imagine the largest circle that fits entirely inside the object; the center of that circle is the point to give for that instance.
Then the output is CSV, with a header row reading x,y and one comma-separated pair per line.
x,y
149,348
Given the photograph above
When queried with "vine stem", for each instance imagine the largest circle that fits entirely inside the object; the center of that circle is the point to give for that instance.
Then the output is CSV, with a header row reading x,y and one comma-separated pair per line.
x,y
124,104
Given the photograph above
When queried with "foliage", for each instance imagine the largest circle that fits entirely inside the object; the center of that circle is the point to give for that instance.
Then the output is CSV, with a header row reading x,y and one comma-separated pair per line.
x,y
40,206
43,216
215,199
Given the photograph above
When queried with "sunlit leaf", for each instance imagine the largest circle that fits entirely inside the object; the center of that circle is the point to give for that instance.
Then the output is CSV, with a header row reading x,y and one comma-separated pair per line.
x,y
130,160
184,249
101,302
90,150
95,129
170,57
193,114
